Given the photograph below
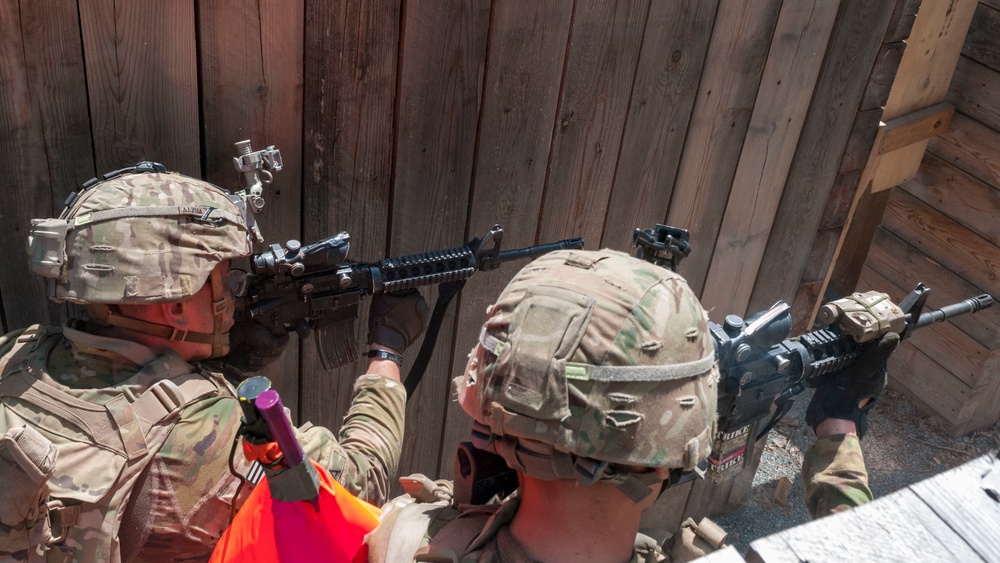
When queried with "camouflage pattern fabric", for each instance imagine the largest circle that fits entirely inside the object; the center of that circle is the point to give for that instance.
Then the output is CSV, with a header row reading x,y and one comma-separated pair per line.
x,y
834,475
183,500
139,238
598,354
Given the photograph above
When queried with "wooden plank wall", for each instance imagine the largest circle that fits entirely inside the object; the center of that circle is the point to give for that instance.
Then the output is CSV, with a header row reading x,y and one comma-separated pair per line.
x,y
418,124
941,228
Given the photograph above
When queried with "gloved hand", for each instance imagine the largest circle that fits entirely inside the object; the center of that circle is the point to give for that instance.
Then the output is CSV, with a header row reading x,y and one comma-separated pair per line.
x,y
397,319
838,393
253,346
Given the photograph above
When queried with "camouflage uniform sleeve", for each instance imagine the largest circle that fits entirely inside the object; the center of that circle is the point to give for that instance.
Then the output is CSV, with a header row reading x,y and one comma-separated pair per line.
x,y
365,454
834,475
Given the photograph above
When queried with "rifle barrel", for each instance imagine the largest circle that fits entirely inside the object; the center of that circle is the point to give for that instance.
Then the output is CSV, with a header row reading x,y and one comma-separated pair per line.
x,y
971,305
533,252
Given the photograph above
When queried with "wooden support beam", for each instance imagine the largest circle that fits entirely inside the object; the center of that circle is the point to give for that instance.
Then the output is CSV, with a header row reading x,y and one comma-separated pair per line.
x,y
914,127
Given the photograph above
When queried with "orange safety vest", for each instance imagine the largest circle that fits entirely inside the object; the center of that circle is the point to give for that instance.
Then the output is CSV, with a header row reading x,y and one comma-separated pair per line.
x,y
269,530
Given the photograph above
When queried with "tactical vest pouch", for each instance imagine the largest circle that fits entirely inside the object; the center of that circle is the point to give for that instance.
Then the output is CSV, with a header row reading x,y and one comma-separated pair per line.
x,y
27,459
47,246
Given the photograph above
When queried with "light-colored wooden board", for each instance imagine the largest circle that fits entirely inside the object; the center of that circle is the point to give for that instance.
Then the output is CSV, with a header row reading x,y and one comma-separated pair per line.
x,y
443,56
960,498
662,99
916,373
729,83
970,146
900,527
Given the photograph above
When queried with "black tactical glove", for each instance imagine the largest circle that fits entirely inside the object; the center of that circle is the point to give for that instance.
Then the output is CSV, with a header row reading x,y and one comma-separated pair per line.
x,y
838,394
396,319
253,346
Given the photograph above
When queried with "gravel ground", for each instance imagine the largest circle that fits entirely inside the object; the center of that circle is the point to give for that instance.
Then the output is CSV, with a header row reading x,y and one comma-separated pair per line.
x,y
902,447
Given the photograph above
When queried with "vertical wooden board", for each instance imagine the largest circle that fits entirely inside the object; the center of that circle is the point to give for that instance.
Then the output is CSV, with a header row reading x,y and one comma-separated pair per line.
x,y
600,69
351,47
670,64
441,72
855,241
728,88
927,66
973,92
972,203
969,361
790,74
524,68
251,60
142,81
970,146
895,259
958,249
982,44
812,176
44,136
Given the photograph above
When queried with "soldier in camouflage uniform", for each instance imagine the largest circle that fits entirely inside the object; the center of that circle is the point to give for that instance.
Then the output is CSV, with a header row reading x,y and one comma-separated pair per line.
x,y
116,433
595,378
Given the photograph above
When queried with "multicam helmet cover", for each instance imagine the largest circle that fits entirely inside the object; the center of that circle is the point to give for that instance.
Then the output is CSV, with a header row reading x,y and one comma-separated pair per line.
x,y
139,237
600,355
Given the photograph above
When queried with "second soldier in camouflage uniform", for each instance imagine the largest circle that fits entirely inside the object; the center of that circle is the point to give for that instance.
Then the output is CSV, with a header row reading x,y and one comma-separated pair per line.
x,y
595,379
116,435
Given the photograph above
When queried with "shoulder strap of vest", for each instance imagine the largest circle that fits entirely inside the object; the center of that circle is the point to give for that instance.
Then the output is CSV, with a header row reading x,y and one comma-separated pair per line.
x,y
118,425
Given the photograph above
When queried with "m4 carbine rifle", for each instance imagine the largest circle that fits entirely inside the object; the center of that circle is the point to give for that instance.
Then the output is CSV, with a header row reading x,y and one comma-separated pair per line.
x,y
761,366
314,287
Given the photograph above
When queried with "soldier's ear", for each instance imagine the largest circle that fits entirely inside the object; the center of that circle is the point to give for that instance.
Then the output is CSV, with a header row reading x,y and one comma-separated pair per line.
x,y
173,311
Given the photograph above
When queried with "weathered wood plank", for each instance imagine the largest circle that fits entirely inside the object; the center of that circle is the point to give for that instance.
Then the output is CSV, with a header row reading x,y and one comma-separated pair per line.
x,y
922,80
45,140
526,53
813,172
913,371
600,69
973,204
855,240
895,259
983,42
899,527
142,83
882,75
740,44
347,155
974,90
969,361
948,242
913,127
960,498
662,98
440,83
969,146
251,60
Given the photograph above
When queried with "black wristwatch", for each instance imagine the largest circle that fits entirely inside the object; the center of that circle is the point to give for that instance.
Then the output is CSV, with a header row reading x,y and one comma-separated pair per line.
x,y
386,355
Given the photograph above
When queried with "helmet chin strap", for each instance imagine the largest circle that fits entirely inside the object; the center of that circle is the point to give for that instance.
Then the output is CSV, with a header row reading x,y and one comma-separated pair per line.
x,y
110,315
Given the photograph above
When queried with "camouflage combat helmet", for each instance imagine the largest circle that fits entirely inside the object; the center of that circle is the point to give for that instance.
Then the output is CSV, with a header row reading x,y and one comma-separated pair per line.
x,y
589,361
141,235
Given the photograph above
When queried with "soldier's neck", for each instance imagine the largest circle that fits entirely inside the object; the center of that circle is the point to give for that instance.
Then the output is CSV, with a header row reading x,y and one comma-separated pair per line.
x,y
562,521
